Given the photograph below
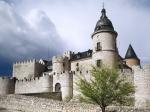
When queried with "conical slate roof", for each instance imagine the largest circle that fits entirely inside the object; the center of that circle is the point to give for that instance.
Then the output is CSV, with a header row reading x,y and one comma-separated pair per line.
x,y
130,53
104,23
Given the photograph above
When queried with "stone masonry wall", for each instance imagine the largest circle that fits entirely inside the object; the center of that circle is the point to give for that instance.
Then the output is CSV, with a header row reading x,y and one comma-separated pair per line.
x,y
66,84
108,53
142,85
34,104
23,69
28,69
81,67
35,85
48,95
7,85
127,74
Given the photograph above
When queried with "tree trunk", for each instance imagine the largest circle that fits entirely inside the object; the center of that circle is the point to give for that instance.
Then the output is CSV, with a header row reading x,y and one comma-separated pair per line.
x,y
103,109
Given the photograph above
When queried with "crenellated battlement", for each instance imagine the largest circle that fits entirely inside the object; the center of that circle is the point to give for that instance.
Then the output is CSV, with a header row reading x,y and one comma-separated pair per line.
x,y
145,68
28,62
126,71
34,85
58,59
32,79
61,73
28,69
4,78
44,75
68,54
28,80
25,62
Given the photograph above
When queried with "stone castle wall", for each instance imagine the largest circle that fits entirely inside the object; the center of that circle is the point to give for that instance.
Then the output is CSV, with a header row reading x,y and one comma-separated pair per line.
x,y
47,83
48,95
142,85
34,85
128,75
80,68
33,104
82,65
108,58
7,85
28,69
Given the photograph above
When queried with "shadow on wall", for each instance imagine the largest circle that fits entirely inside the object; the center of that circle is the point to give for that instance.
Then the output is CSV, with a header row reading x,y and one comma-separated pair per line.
x,y
48,95
5,110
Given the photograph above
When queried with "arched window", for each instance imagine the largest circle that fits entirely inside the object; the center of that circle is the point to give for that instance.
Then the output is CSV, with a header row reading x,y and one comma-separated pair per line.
x,y
57,87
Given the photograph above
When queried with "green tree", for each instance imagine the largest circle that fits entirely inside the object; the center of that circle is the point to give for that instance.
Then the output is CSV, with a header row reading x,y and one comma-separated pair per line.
x,y
105,88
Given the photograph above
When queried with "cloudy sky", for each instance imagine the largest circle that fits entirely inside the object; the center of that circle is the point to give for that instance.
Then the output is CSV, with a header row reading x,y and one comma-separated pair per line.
x,y
43,28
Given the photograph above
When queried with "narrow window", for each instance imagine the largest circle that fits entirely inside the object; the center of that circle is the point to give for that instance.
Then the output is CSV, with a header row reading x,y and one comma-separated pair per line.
x,y
98,63
77,69
63,64
87,71
98,48
77,64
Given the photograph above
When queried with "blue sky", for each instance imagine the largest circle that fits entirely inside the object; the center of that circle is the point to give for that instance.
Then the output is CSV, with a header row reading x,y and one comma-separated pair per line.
x,y
43,28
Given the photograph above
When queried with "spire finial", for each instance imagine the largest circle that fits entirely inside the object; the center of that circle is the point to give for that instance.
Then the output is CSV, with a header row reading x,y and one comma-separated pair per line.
x,y
103,11
103,5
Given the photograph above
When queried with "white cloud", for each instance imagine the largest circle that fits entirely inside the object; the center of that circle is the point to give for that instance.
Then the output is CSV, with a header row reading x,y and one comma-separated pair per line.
x,y
22,38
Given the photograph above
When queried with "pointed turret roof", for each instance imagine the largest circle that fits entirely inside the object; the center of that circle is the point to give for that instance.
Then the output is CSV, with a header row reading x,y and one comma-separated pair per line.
x,y
130,53
104,23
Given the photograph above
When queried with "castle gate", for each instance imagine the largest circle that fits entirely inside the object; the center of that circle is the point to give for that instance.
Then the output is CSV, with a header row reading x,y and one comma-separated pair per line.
x,y
57,87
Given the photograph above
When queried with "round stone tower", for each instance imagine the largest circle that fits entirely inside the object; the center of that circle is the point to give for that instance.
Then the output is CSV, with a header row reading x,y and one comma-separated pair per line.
x,y
104,42
60,64
62,79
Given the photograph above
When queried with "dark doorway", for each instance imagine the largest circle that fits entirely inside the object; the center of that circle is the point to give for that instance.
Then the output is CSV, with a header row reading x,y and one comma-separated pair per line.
x,y
57,87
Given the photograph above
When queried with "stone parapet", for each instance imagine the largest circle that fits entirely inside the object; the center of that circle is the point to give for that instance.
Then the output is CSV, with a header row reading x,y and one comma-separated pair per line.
x,y
28,69
34,85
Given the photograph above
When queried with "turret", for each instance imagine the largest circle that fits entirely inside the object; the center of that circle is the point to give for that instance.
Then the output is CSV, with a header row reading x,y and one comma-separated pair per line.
x,y
104,42
60,64
131,58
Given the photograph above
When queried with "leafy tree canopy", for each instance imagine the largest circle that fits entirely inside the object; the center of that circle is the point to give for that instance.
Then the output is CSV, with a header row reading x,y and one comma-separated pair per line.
x,y
106,87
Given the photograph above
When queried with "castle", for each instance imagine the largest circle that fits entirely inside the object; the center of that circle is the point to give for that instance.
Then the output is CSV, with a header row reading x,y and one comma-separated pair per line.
x,y
60,73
